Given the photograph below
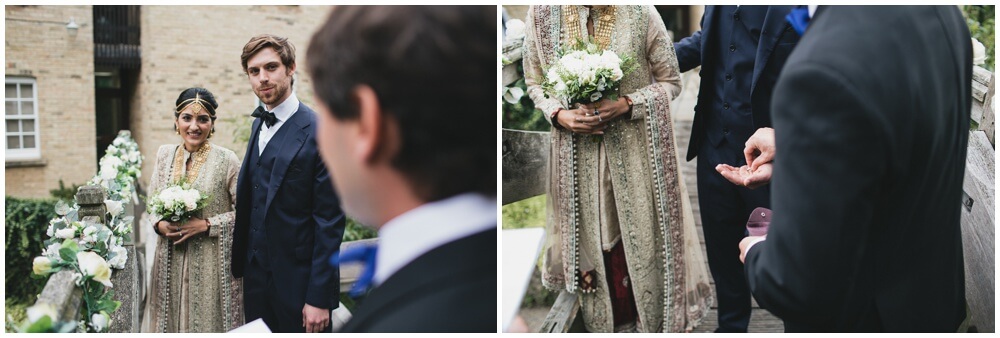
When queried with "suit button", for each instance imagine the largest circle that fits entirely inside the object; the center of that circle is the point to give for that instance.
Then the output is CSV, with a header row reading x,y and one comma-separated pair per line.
x,y
729,77
732,48
736,17
255,186
724,106
725,131
254,208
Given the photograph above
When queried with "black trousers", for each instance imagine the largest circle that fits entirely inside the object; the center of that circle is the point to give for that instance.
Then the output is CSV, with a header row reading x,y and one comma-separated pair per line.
x,y
725,208
260,300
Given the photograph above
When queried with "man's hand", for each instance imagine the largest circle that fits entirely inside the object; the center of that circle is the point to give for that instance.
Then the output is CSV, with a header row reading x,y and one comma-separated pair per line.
x,y
745,245
744,176
315,319
759,148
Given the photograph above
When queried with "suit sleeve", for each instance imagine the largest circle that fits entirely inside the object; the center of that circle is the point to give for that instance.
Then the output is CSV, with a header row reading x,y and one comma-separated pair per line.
x,y
689,50
324,283
662,66
833,151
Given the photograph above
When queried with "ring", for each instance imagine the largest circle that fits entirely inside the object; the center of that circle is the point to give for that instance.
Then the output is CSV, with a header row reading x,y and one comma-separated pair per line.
x,y
599,119
596,112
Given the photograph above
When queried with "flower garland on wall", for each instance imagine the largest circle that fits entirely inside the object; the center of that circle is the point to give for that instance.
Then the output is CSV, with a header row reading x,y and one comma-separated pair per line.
x,y
88,248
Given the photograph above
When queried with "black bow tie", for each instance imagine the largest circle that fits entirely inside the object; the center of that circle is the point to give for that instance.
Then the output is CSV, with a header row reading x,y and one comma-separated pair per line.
x,y
268,117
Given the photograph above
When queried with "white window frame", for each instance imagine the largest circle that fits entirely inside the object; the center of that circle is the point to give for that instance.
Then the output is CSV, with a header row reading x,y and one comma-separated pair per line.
x,y
22,154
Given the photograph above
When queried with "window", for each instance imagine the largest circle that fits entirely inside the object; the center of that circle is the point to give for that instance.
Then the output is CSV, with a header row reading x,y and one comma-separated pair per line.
x,y
21,112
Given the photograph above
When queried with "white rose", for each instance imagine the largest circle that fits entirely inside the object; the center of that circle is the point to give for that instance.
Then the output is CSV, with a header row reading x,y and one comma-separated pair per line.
x,y
51,230
37,311
52,251
978,52
616,74
515,30
91,264
114,207
88,234
108,173
68,232
41,265
513,94
560,86
111,161
118,257
100,321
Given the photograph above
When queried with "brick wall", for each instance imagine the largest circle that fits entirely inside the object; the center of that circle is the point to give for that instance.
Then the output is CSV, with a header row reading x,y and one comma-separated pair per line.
x,y
39,46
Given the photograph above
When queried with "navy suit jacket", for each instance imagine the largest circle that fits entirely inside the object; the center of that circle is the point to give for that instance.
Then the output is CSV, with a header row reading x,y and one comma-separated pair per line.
x,y
777,40
303,219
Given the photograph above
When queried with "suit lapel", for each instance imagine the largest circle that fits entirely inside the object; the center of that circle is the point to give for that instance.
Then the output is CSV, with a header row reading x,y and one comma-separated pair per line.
x,y
286,149
710,38
775,26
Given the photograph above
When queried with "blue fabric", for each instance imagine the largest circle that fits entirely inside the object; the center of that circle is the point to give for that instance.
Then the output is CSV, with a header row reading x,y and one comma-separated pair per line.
x,y
799,19
364,254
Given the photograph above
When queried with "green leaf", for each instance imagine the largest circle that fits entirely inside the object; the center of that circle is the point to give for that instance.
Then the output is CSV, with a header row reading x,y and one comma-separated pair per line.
x,y
67,254
42,325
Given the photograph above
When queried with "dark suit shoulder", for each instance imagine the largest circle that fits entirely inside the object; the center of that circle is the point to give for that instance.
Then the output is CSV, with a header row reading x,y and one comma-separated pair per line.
x,y
449,289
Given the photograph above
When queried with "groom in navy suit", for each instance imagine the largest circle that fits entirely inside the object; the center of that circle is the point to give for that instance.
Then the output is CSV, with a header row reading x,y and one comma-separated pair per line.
x,y
288,219
741,50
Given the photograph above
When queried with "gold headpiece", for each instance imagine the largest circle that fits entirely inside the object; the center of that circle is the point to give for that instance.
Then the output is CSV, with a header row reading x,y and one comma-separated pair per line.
x,y
196,100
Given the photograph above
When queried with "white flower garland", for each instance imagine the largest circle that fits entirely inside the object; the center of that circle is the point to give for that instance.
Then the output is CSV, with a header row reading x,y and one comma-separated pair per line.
x,y
91,249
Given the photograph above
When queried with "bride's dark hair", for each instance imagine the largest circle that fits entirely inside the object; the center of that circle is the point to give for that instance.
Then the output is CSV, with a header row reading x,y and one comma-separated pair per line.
x,y
196,94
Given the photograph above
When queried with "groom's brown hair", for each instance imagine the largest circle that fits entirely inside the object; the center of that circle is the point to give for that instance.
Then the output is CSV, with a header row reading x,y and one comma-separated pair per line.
x,y
434,70
285,49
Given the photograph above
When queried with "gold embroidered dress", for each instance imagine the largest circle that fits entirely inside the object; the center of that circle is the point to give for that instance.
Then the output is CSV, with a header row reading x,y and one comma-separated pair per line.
x,y
625,186
191,288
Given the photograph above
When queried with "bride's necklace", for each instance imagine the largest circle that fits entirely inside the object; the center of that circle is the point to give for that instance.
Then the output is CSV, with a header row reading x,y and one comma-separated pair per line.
x,y
604,24
198,160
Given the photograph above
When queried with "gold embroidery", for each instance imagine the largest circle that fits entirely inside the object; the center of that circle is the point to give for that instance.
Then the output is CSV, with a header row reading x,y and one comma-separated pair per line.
x,y
200,156
604,24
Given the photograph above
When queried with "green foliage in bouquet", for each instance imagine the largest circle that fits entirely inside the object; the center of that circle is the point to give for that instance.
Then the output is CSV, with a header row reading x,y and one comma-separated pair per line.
x,y
587,74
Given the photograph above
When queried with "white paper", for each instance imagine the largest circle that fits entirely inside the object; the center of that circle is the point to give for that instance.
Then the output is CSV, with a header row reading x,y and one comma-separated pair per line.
x,y
520,252
256,326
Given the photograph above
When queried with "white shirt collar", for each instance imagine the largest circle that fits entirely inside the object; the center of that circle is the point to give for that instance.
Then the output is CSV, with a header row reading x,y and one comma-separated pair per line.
x,y
812,10
420,230
285,110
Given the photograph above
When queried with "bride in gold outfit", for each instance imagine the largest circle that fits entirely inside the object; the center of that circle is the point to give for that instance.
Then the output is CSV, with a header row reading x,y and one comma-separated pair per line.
x,y
191,289
620,232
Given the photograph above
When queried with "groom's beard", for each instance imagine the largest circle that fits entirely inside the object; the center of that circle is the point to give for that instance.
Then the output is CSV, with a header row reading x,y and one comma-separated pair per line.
x,y
273,96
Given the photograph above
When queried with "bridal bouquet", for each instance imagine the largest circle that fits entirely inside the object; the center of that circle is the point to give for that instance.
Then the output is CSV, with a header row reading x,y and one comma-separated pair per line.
x,y
177,202
585,74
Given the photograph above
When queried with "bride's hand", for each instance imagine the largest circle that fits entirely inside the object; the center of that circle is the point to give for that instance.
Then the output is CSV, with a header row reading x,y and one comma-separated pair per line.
x,y
608,110
580,121
168,229
191,228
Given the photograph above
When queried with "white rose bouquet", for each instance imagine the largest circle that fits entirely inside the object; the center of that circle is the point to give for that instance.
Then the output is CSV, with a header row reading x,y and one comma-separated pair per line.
x,y
585,74
177,202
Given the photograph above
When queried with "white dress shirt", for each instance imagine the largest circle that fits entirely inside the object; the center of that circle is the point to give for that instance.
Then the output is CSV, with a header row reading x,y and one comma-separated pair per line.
x,y
283,112
418,231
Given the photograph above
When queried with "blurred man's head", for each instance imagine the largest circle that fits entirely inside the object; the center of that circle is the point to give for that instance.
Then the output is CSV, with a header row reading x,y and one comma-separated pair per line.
x,y
406,101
